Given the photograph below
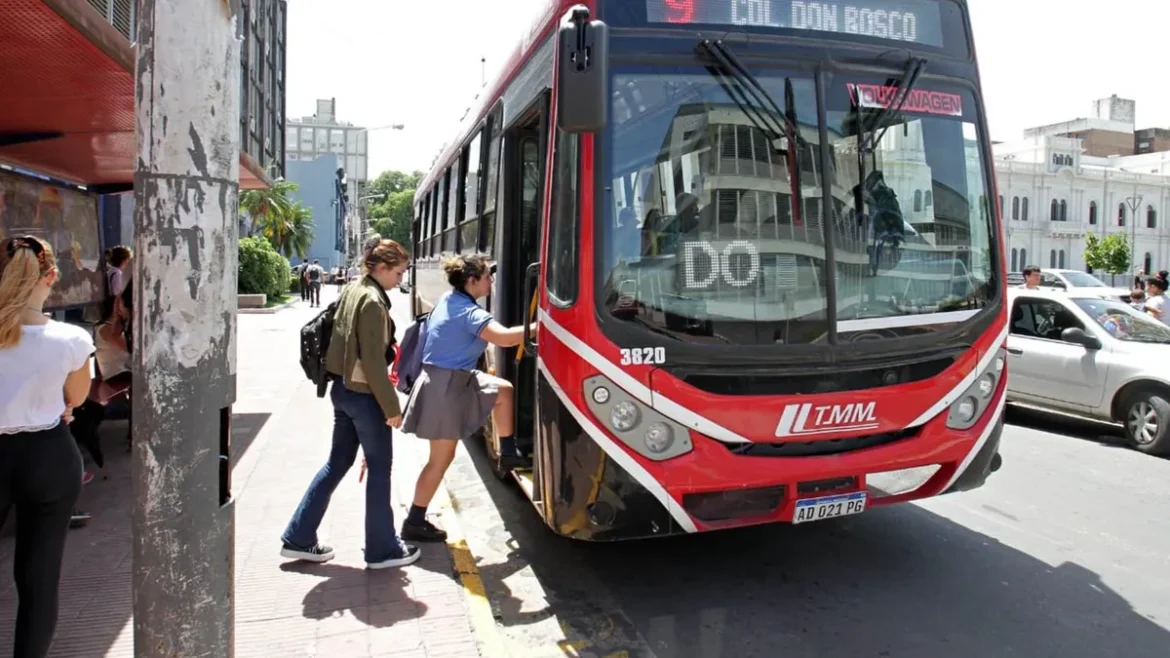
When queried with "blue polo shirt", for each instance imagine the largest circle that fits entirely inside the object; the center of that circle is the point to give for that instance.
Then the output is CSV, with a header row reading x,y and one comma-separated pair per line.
x,y
452,335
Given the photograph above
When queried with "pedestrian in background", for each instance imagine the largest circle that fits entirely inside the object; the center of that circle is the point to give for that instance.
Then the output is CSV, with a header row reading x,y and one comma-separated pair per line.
x,y
46,373
304,283
313,275
365,408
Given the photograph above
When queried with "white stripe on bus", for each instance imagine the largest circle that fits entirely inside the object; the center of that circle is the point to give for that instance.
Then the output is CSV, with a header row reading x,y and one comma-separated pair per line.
x,y
620,456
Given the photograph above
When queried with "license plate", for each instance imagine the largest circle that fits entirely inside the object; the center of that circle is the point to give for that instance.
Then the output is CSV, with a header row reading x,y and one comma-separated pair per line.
x,y
829,507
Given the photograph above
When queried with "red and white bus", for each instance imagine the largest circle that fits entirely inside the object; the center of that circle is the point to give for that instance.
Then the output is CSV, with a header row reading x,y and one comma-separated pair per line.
x,y
761,243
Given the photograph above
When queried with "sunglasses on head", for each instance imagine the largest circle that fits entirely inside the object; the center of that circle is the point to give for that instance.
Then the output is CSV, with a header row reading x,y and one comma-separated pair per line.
x,y
25,242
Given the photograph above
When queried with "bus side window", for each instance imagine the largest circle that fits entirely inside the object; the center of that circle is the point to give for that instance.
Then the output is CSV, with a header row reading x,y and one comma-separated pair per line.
x,y
563,224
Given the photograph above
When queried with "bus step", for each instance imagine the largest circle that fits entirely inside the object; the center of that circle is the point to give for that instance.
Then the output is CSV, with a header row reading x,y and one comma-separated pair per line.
x,y
524,479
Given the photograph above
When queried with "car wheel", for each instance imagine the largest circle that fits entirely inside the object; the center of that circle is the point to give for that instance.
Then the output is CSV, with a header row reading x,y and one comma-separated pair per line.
x,y
1147,423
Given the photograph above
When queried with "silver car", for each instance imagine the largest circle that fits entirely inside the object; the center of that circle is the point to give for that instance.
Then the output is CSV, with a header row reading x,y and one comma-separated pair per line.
x,y
1077,353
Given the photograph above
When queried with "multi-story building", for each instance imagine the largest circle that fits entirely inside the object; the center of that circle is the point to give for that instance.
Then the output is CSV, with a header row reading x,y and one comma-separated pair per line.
x,y
1053,194
310,137
262,25
1151,140
320,180
262,28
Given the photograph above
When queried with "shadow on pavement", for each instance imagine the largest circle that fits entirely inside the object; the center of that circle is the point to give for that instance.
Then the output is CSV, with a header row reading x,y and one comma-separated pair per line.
x,y
96,601
378,599
1105,434
900,582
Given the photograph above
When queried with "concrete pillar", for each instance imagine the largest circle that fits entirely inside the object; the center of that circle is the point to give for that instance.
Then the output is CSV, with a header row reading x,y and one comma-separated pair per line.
x,y
186,196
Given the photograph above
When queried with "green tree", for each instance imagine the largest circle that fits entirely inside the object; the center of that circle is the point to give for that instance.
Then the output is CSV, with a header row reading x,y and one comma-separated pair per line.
x,y
261,204
390,182
262,270
1110,254
393,217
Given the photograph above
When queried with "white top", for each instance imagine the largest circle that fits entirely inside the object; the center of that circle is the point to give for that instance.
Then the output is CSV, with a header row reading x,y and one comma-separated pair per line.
x,y
32,375
111,359
1158,303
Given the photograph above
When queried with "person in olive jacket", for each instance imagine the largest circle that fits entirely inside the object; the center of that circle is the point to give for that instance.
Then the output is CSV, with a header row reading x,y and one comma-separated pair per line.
x,y
365,409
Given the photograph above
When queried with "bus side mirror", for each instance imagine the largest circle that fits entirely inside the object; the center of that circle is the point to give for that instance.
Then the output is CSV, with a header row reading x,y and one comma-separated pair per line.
x,y
582,73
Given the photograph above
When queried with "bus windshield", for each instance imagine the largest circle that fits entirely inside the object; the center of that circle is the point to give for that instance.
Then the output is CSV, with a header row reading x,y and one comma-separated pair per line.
x,y
715,230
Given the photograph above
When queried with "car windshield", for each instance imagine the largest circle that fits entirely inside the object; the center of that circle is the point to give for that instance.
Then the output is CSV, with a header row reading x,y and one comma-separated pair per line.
x,y
716,232
1123,322
1082,280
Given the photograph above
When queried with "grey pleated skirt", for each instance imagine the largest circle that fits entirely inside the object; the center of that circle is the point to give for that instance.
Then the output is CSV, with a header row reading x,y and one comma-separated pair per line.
x,y
449,404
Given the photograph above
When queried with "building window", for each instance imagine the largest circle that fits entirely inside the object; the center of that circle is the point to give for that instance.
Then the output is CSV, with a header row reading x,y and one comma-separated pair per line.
x,y
928,198
1052,258
1015,260
1024,209
1148,263
1093,213
1001,206
1023,258
917,200
1063,210
1015,207
1121,214
1151,217
1060,259
1054,210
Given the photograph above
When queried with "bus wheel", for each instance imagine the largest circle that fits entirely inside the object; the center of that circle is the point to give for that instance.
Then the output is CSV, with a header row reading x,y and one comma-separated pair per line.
x,y
1147,422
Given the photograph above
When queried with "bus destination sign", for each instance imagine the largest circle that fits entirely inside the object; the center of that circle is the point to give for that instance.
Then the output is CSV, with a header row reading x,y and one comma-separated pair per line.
x,y
912,21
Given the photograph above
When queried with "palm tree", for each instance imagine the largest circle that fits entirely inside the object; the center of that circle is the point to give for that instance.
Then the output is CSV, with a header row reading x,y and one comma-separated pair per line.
x,y
290,231
260,205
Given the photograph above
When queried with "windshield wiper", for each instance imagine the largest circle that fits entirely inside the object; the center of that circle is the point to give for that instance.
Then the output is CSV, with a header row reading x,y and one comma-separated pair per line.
x,y
731,66
783,122
914,68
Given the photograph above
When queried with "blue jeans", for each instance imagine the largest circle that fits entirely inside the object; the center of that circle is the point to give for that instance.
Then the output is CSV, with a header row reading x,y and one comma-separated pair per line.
x,y
357,420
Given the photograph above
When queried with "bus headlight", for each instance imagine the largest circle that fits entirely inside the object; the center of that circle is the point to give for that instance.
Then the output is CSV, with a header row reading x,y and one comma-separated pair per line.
x,y
969,407
624,416
635,424
658,437
986,385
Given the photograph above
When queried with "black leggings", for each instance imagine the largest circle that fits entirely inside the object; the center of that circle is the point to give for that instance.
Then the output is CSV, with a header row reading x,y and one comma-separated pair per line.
x,y
40,476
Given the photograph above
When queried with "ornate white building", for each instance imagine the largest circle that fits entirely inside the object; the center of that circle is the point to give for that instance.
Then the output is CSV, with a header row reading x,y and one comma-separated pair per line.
x,y
1052,193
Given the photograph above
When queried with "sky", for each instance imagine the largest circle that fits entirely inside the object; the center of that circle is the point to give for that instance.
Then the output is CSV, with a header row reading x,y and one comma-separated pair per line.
x,y
418,63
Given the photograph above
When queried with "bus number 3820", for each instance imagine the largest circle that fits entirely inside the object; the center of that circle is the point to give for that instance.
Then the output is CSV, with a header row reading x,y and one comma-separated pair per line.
x,y
643,356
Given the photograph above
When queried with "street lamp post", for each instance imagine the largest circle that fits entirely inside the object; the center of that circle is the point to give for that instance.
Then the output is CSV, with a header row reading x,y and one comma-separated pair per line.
x,y
1134,202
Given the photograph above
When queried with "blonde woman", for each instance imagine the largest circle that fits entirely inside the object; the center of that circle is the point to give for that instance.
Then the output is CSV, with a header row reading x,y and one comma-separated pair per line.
x,y
46,373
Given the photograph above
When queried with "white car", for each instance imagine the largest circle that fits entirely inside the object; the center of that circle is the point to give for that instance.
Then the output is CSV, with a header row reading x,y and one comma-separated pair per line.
x,y
1078,281
1077,353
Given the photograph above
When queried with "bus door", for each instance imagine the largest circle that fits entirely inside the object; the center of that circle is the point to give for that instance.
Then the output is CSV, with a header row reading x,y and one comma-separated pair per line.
x,y
524,174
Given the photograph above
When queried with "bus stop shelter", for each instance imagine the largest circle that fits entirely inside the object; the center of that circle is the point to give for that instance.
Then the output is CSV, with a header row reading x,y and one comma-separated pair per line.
x,y
67,109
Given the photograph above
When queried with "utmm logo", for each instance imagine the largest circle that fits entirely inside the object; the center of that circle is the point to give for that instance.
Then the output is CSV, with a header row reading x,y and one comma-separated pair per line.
x,y
808,419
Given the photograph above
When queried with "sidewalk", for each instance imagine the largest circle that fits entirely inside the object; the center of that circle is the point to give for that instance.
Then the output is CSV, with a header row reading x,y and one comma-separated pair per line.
x,y
281,437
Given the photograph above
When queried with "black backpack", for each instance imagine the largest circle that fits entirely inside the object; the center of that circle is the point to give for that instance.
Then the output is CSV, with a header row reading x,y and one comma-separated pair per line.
x,y
315,337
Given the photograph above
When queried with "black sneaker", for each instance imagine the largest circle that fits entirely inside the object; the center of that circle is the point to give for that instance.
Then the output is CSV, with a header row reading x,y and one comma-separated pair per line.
x,y
424,531
318,553
79,519
410,555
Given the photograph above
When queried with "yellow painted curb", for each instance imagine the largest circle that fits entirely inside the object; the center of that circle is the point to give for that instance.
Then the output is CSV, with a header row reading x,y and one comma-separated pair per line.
x,y
483,621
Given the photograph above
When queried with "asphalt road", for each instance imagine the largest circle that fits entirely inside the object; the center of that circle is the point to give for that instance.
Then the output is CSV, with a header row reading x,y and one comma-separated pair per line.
x,y
1065,552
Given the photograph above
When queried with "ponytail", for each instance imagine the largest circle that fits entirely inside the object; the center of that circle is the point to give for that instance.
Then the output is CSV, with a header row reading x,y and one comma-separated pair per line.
x,y
24,261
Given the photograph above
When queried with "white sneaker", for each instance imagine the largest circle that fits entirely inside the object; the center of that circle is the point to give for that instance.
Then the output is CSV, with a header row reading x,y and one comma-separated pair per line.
x,y
412,554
